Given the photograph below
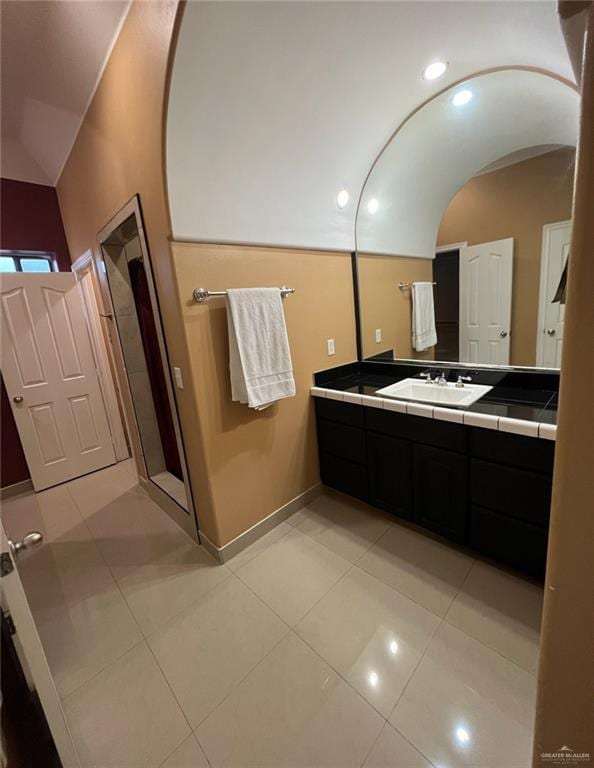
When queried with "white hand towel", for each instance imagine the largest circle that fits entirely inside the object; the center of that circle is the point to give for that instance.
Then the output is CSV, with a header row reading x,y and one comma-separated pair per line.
x,y
424,334
259,355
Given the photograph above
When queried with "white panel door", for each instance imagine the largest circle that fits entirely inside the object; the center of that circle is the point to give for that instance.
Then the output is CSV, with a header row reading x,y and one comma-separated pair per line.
x,y
51,379
31,654
551,317
485,302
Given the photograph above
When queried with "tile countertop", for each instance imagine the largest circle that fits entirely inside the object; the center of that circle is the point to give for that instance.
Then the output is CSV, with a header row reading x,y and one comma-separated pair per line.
x,y
520,410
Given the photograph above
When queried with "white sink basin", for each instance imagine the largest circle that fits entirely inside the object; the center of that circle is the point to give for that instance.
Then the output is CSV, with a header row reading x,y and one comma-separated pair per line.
x,y
446,394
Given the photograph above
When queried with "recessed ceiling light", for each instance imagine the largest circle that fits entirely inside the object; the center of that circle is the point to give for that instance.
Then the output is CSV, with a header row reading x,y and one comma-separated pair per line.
x,y
462,735
434,70
342,198
461,98
373,205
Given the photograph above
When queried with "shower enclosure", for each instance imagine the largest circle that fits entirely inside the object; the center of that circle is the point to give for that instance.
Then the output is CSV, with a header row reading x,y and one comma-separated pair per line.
x,y
137,321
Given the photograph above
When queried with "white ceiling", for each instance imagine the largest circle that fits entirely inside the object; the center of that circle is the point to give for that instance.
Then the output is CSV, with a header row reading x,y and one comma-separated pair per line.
x,y
275,106
53,53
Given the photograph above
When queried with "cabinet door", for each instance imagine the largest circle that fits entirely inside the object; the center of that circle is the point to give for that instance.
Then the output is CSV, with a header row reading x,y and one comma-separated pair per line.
x,y
390,479
440,491
345,476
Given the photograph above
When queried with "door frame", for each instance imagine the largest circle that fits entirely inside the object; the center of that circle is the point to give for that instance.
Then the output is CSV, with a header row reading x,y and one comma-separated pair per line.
x,y
547,230
32,655
451,247
96,334
186,519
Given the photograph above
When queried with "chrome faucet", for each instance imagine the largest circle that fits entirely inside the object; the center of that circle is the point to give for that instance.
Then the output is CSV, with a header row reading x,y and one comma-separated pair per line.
x,y
426,376
441,380
462,379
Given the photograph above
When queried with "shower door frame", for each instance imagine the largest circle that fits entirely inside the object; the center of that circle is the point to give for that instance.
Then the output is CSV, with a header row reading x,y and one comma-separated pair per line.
x,y
186,519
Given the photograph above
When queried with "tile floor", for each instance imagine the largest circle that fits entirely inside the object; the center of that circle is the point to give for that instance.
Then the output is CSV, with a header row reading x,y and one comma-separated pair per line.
x,y
339,639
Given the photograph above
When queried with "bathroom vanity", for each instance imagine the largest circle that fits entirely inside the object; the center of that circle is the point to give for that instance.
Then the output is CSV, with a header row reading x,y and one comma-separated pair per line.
x,y
479,476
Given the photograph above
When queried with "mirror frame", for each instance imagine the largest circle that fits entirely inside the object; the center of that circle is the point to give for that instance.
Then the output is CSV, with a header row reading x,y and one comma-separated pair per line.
x,y
354,254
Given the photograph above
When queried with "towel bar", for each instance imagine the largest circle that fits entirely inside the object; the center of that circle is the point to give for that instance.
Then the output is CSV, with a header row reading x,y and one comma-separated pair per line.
x,y
404,286
201,294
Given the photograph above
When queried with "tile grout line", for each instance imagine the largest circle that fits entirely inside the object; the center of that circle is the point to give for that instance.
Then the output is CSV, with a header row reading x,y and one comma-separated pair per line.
x,y
476,639
122,593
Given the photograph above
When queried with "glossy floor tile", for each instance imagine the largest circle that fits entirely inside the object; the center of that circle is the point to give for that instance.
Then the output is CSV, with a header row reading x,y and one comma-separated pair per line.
x,y
82,639
293,574
291,710
468,706
501,610
391,750
371,634
323,644
188,755
427,571
126,717
342,524
261,544
157,591
212,646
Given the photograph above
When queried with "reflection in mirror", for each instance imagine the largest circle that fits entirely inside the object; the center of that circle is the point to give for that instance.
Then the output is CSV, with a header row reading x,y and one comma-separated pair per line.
x,y
472,198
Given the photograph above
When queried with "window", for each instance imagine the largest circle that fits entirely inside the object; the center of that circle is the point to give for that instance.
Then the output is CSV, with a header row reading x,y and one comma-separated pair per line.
x,y
27,261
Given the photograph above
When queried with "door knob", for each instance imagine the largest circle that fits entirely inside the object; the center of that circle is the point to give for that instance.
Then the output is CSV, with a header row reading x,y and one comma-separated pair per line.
x,y
503,334
18,399
551,331
27,542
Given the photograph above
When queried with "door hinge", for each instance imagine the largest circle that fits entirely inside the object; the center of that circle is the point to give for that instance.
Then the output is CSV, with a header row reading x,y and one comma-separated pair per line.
x,y
6,564
9,623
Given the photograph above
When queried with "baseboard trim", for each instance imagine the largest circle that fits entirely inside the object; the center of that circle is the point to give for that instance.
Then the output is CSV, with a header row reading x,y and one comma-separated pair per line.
x,y
16,489
239,543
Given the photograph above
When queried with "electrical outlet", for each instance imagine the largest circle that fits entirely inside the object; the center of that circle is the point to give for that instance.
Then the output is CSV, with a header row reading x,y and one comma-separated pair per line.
x,y
331,347
177,375
378,335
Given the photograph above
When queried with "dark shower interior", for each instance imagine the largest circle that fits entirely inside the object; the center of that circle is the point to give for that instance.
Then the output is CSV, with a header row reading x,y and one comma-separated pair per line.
x,y
152,354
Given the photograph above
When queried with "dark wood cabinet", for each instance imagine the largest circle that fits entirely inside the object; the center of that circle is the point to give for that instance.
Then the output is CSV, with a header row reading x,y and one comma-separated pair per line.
x,y
390,474
440,482
483,488
343,475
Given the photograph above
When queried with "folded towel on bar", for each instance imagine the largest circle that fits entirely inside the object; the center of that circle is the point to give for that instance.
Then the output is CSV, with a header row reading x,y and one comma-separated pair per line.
x,y
259,355
424,334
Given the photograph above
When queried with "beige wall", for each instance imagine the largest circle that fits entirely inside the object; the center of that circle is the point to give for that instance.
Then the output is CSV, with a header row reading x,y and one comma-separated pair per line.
x,y
385,306
565,705
242,465
517,202
118,153
258,461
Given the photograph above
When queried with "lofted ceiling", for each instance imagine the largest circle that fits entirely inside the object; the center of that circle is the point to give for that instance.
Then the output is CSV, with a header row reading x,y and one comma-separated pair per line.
x,y
53,54
274,107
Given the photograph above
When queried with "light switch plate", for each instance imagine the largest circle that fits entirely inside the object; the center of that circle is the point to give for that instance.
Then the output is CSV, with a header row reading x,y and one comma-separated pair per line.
x,y
331,347
177,375
378,335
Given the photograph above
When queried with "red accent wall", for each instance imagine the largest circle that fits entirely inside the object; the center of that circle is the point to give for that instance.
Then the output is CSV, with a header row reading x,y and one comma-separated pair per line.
x,y
30,220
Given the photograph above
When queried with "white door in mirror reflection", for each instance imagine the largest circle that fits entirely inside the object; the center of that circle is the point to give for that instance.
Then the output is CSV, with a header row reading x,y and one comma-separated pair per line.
x,y
555,249
485,302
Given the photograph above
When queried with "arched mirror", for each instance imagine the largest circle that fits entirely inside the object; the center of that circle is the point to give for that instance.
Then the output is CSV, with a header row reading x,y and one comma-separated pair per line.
x,y
472,197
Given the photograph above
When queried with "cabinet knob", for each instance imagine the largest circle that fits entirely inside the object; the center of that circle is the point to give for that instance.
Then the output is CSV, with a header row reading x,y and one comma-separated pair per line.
x,y
17,399
551,331
503,334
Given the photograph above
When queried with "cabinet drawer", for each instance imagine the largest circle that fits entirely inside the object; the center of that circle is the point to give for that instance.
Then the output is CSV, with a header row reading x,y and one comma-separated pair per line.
x,y
390,474
441,434
344,476
440,491
514,450
344,413
520,544
342,440
515,493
